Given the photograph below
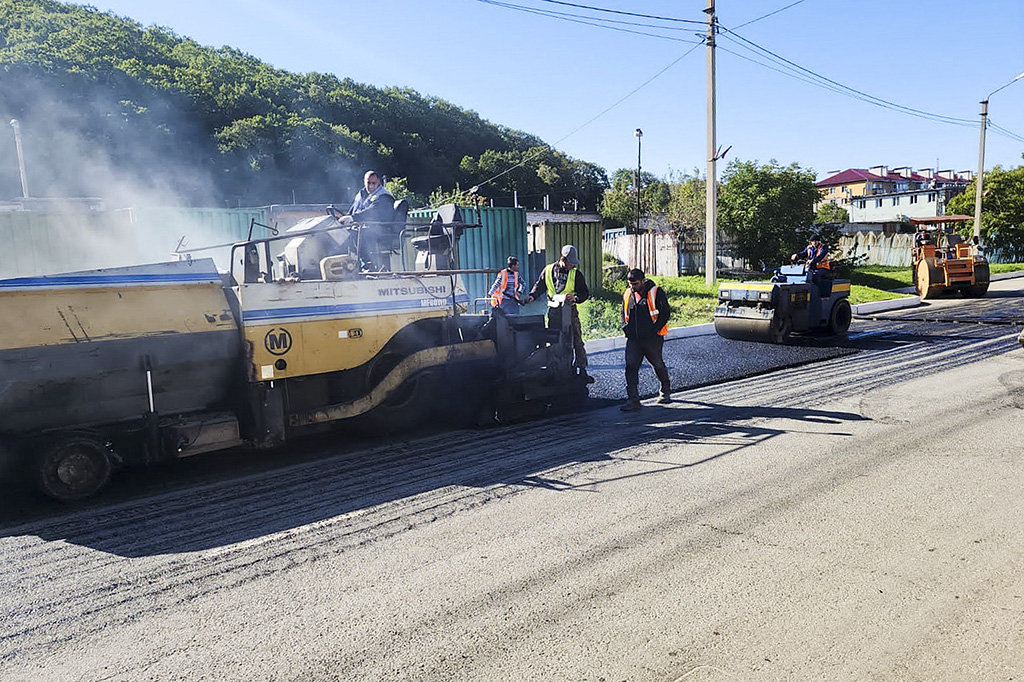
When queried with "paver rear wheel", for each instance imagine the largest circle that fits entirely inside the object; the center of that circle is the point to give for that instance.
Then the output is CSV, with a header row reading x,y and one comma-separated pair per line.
x,y
73,467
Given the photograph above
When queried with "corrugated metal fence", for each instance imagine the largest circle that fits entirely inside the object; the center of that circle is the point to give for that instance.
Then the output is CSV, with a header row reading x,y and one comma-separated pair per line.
x,y
47,242
547,239
502,233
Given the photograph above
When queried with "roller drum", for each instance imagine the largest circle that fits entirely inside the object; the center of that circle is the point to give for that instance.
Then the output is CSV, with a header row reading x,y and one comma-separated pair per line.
x,y
773,329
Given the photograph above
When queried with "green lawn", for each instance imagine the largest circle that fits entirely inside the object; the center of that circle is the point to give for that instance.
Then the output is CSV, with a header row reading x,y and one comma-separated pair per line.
x,y
693,302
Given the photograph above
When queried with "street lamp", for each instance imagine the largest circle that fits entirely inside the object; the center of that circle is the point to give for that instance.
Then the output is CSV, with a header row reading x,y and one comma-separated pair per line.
x,y
21,158
981,157
638,134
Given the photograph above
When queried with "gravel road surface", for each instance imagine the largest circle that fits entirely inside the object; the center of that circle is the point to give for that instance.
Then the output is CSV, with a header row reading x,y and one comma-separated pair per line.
x,y
800,513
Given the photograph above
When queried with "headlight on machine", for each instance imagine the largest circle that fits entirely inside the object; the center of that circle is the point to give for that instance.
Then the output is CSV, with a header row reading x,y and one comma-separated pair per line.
x,y
765,295
724,294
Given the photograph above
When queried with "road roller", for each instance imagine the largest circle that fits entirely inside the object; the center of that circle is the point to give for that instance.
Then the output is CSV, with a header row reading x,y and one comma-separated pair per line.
x,y
791,302
942,265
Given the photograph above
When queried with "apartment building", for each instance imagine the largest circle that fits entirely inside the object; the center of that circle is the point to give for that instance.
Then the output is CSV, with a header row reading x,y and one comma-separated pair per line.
x,y
883,195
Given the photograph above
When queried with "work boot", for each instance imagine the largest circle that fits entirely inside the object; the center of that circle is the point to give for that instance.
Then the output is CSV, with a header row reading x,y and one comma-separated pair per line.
x,y
665,399
587,379
631,405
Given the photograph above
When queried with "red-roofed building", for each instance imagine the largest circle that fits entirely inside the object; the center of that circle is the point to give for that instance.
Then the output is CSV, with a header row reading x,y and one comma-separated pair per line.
x,y
881,195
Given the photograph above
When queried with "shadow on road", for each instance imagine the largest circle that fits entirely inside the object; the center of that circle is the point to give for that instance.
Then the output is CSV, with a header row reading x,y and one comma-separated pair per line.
x,y
211,504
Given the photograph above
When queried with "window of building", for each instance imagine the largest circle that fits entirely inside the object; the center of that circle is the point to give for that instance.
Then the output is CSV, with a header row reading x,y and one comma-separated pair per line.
x,y
895,201
878,203
862,204
913,199
931,197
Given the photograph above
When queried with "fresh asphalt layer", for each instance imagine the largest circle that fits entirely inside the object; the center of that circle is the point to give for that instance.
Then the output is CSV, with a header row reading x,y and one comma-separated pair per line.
x,y
697,356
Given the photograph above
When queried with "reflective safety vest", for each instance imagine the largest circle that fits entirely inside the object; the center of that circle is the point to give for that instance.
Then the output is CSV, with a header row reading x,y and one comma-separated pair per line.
x,y
549,281
499,293
823,264
651,306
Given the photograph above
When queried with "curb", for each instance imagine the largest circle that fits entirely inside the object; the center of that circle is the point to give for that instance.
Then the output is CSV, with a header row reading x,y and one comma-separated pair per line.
x,y
619,342
882,306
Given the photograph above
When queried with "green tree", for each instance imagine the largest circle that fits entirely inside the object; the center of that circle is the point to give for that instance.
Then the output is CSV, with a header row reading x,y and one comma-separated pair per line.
x,y
1002,210
215,124
687,207
832,213
768,208
399,188
618,206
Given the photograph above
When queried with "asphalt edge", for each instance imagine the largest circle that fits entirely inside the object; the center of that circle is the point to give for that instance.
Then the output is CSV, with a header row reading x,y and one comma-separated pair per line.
x,y
619,342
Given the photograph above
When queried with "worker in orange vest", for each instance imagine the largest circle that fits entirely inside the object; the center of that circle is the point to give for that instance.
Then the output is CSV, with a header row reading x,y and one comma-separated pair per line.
x,y
815,258
645,314
507,291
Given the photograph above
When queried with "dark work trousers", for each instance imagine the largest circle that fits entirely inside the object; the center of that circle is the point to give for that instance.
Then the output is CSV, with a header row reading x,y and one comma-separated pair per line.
x,y
578,348
636,351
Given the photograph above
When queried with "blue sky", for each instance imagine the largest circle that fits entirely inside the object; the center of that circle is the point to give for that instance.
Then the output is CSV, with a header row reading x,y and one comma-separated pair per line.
x,y
552,77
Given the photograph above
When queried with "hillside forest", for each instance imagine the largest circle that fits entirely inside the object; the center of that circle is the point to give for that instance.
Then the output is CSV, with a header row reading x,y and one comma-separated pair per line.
x,y
109,108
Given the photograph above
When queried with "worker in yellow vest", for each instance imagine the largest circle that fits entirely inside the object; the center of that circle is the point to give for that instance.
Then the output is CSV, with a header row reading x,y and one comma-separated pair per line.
x,y
645,314
566,287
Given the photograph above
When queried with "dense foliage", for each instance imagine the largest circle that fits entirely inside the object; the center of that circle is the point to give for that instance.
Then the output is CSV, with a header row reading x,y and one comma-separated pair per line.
x,y
769,209
110,108
1002,210
619,205
766,211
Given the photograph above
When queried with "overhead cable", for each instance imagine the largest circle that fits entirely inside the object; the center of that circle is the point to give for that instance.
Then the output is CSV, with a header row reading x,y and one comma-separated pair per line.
x,y
584,125
829,84
597,22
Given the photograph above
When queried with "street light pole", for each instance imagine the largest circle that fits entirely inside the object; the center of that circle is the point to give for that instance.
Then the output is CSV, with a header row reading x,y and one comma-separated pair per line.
x,y
21,157
981,158
638,134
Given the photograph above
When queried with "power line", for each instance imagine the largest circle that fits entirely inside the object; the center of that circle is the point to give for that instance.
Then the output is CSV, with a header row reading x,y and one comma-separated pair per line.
x,y
835,86
629,14
584,125
765,16
1004,132
585,20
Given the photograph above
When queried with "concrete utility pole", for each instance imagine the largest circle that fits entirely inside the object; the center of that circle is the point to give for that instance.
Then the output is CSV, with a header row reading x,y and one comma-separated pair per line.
x,y
21,157
981,157
710,248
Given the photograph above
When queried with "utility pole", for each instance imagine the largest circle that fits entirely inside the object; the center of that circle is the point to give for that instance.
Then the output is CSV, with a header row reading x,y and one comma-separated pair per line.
x,y
981,157
981,172
710,250
21,157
